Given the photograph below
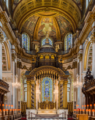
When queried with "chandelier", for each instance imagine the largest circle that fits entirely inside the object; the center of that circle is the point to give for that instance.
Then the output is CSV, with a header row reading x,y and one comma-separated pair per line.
x,y
16,84
77,83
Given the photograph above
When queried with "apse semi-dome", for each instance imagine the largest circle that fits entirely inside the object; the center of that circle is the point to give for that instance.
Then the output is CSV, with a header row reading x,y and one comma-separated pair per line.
x,y
62,17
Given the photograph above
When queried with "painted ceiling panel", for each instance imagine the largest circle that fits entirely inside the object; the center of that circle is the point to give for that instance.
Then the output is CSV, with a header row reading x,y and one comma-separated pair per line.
x,y
47,27
29,25
64,25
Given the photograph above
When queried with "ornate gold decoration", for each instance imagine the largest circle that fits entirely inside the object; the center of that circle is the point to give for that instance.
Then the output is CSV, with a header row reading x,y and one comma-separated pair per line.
x,y
46,105
86,55
8,55
90,18
27,7
28,94
36,28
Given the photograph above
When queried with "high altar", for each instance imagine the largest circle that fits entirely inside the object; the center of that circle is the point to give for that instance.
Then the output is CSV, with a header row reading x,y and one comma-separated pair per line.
x,y
46,90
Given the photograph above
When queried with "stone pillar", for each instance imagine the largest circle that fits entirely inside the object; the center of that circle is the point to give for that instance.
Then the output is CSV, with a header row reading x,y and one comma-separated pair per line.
x,y
93,49
28,94
37,93
80,87
34,95
19,81
1,40
59,95
65,94
13,76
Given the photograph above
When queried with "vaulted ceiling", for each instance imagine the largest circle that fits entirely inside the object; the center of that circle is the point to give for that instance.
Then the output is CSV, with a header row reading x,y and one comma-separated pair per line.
x,y
57,17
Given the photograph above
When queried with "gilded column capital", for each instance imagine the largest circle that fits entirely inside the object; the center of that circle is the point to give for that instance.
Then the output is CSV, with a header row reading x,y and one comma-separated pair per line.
x,y
65,82
32,82
61,82
28,82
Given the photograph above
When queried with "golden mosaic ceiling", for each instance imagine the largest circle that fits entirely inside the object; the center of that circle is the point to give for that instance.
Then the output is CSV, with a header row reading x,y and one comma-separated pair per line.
x,y
64,14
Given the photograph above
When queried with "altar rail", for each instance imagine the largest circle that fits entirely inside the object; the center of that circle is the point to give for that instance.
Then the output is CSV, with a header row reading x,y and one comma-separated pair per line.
x,y
62,116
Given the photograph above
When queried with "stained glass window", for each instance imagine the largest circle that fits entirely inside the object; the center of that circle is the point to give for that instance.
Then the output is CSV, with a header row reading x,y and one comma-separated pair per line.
x,y
25,42
44,41
47,89
68,41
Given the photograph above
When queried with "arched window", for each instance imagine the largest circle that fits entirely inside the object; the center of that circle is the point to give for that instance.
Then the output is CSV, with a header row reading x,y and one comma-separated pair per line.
x,y
47,89
44,41
68,41
25,42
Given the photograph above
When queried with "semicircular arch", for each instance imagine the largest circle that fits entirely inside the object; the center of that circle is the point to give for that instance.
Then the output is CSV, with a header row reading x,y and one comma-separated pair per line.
x,y
86,55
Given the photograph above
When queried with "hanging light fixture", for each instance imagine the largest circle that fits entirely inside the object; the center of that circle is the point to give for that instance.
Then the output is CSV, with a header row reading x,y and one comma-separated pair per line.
x,y
77,83
16,84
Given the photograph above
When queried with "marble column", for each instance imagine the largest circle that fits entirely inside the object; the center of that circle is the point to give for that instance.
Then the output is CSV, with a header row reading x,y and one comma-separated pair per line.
x,y
58,94
1,40
79,92
28,94
18,90
14,95
37,93
93,49
65,94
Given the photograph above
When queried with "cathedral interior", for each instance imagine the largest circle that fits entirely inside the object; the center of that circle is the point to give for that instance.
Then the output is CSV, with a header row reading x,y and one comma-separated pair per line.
x,y
47,59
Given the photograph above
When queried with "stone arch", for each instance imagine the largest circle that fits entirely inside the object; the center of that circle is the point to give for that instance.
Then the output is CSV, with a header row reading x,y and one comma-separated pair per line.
x,y
6,49
86,55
